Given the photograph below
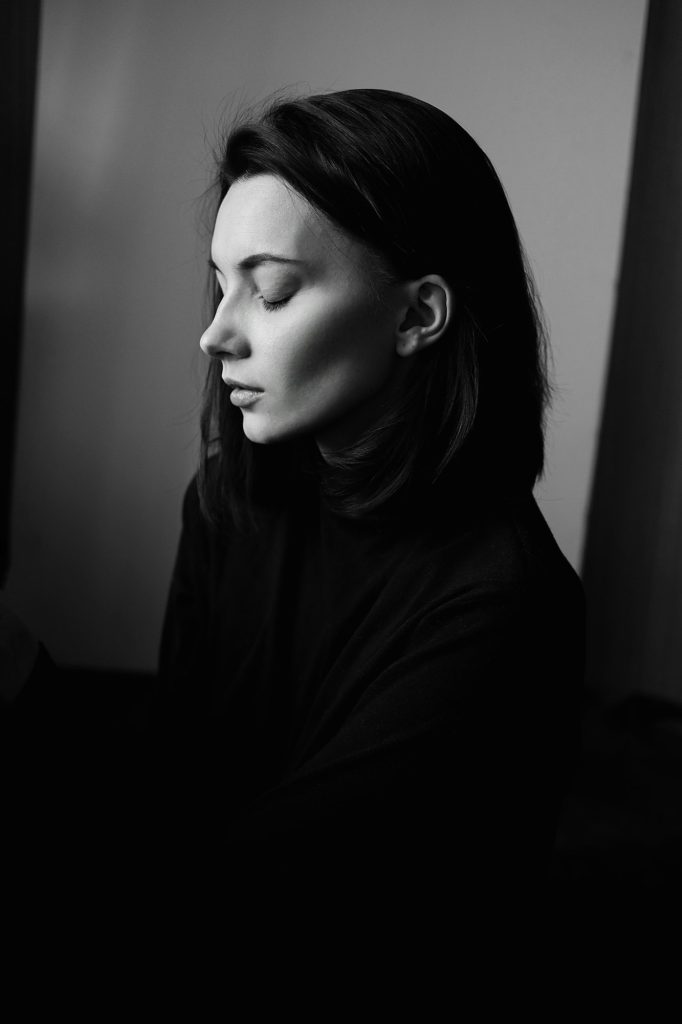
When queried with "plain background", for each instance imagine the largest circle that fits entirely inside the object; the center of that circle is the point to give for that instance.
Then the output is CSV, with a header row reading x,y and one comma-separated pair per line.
x,y
130,99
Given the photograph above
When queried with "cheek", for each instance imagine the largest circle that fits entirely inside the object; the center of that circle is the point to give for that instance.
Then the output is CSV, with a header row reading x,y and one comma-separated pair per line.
x,y
350,345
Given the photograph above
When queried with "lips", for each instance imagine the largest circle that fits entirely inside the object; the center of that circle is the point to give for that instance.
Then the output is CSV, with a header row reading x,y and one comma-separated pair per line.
x,y
240,386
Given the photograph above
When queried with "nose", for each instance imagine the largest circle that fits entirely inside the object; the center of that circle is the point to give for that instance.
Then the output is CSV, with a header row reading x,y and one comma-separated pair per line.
x,y
222,336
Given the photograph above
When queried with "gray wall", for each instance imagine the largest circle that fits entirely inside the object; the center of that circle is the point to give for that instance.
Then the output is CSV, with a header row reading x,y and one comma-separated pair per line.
x,y
129,97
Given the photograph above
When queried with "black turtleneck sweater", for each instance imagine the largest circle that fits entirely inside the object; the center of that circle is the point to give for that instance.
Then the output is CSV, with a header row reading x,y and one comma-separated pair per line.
x,y
369,720
376,714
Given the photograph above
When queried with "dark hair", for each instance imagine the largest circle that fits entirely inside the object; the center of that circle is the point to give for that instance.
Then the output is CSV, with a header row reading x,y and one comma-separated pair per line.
x,y
407,181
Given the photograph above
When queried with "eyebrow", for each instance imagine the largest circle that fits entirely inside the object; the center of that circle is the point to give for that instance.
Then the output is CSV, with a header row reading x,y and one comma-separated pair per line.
x,y
256,259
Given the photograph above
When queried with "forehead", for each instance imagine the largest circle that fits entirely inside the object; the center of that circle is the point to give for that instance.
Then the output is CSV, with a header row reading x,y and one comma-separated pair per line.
x,y
264,214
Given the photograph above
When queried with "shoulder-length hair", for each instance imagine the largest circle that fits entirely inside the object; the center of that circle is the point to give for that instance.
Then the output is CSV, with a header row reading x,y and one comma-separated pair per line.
x,y
409,183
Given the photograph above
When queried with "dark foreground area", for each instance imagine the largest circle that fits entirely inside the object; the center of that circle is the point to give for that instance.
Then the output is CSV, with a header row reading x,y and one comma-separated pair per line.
x,y
619,841
620,837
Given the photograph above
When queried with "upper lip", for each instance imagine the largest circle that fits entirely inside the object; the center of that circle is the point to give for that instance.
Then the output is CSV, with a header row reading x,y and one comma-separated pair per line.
x,y
238,384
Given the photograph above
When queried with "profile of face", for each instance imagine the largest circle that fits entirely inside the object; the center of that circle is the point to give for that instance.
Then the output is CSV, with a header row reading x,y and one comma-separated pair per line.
x,y
310,337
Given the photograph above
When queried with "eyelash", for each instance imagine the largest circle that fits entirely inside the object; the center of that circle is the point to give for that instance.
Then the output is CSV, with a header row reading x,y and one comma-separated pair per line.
x,y
270,306
267,305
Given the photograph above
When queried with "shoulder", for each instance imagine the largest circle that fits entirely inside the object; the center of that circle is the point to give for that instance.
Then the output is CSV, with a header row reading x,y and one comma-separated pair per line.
x,y
500,552
512,542
501,596
511,574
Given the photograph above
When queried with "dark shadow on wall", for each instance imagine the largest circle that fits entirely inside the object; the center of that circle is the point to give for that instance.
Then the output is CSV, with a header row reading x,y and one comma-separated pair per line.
x,y
19,60
633,554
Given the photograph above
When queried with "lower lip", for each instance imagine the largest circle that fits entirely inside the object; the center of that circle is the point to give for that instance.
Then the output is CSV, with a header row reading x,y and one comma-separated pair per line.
x,y
242,397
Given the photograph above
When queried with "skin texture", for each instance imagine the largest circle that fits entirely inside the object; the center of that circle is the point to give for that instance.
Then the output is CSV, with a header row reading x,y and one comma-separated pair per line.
x,y
332,352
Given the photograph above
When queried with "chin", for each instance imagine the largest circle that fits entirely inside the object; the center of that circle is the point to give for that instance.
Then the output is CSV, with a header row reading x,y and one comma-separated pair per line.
x,y
257,436
262,433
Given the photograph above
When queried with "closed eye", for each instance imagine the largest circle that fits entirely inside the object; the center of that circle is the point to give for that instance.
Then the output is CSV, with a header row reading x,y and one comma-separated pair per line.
x,y
268,304
276,304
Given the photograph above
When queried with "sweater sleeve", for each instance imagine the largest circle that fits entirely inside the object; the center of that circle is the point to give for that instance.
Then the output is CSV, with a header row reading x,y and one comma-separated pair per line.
x,y
445,780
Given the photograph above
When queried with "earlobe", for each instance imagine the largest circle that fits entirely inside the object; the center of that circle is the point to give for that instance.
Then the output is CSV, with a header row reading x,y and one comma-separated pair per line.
x,y
426,315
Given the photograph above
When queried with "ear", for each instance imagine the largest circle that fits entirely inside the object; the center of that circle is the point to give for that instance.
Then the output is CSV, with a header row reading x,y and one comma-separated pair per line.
x,y
427,310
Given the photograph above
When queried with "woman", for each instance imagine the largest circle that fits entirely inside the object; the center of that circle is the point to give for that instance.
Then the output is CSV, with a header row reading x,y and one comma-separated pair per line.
x,y
372,651
371,658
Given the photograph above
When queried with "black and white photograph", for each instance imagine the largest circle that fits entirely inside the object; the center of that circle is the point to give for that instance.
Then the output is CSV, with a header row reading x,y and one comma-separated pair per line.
x,y
341,525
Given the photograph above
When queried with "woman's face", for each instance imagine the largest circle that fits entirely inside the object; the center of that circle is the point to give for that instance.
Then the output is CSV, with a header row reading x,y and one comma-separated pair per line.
x,y
299,324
